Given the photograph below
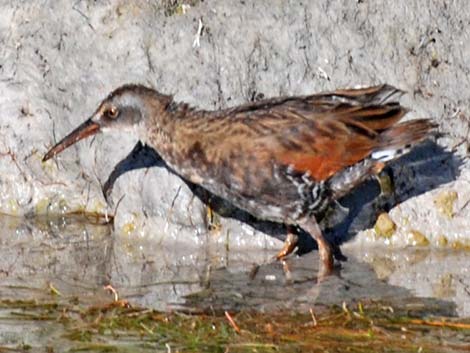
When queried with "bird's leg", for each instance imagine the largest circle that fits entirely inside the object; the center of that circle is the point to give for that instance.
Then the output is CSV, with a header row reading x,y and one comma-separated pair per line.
x,y
325,250
289,244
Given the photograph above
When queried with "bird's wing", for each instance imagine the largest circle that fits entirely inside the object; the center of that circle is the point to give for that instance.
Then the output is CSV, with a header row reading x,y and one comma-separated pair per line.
x,y
319,134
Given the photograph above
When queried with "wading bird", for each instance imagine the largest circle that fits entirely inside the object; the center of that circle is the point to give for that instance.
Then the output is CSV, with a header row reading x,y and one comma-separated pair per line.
x,y
281,159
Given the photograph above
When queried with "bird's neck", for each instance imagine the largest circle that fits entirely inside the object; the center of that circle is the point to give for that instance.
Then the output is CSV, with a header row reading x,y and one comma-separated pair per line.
x,y
167,123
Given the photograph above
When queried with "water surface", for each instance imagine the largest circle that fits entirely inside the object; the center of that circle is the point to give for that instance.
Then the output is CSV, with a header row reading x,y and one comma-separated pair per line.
x,y
58,261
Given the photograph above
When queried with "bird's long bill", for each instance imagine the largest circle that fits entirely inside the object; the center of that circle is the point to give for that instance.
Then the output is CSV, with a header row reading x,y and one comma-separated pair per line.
x,y
86,129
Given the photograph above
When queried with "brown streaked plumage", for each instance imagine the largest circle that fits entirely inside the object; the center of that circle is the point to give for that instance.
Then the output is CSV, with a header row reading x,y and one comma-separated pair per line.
x,y
283,159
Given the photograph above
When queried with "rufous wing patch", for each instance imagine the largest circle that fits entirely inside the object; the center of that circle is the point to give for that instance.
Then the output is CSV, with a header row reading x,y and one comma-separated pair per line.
x,y
322,158
320,167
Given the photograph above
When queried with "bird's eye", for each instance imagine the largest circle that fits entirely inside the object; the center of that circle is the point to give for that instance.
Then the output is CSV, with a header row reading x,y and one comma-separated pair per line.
x,y
112,112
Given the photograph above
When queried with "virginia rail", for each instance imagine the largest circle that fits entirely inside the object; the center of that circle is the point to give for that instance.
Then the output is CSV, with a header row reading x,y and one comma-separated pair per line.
x,y
282,159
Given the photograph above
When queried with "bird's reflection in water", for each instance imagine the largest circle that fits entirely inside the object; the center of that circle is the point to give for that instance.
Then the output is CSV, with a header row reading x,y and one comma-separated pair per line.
x,y
79,258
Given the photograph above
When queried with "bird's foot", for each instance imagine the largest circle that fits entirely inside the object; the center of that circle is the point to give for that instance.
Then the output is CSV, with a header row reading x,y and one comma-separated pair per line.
x,y
289,245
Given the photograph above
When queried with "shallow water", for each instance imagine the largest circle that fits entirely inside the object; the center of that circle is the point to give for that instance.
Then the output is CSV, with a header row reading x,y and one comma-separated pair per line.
x,y
54,260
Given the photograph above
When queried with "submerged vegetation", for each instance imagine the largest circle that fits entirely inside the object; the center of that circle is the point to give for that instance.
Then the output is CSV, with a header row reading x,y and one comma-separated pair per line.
x,y
117,326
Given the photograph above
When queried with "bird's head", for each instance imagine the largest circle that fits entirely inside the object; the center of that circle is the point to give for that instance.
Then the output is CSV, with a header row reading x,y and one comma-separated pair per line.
x,y
124,110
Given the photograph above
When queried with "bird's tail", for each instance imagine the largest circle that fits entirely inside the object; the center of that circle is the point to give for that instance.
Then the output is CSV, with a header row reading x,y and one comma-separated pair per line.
x,y
393,142
400,138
